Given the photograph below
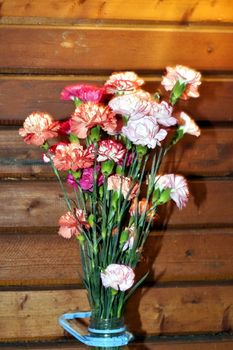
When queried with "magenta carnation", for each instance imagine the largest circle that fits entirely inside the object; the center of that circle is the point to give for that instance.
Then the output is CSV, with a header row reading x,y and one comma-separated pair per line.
x,y
86,93
87,180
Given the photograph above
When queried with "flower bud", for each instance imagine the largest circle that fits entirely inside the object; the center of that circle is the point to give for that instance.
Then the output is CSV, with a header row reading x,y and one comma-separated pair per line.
x,y
95,134
73,138
115,197
119,170
77,102
155,195
141,150
165,196
76,174
177,91
107,167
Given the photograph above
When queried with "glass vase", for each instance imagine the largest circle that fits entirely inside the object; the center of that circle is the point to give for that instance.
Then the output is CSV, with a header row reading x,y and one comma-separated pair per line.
x,y
102,333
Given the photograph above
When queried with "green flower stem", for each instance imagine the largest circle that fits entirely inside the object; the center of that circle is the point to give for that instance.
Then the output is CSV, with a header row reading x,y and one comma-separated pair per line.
x,y
94,203
62,186
82,200
104,214
77,198
120,304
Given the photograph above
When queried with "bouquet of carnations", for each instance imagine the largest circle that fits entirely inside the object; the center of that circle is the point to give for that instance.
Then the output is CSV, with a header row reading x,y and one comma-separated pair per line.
x,y
109,152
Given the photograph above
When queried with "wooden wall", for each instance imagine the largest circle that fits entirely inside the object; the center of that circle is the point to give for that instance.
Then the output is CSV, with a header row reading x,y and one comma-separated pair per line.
x,y
48,44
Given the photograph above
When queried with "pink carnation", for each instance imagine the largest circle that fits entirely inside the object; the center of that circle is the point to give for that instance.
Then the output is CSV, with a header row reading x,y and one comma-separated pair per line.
x,y
72,156
123,184
118,277
123,82
89,115
38,127
112,150
131,105
183,74
179,188
86,182
86,93
145,132
163,113
71,224
188,125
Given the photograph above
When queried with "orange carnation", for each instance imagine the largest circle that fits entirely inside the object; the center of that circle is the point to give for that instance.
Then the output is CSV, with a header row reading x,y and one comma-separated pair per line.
x,y
38,127
72,156
142,206
90,114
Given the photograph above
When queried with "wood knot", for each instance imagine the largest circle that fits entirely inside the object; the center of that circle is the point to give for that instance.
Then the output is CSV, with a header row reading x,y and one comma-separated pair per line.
x,y
23,302
189,252
227,320
210,49
34,204
192,299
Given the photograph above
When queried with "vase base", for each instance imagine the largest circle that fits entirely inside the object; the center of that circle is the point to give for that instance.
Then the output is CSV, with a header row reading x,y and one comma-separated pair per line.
x,y
90,339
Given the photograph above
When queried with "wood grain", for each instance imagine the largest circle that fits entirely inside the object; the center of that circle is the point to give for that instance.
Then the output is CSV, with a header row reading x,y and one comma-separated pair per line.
x,y
93,48
40,204
209,155
31,93
34,314
168,10
190,255
225,344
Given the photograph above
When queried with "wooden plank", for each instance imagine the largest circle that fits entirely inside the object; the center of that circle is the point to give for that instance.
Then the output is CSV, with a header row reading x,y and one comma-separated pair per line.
x,y
80,48
225,344
209,155
40,204
26,315
192,255
31,93
168,10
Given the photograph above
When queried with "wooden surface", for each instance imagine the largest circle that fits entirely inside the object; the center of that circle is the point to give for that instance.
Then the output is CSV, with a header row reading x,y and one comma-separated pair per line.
x,y
94,48
48,44
151,345
43,93
176,255
155,345
208,155
167,10
40,204
33,314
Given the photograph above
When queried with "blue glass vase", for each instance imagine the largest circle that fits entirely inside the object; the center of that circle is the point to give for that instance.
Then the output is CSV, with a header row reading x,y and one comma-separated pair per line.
x,y
102,333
